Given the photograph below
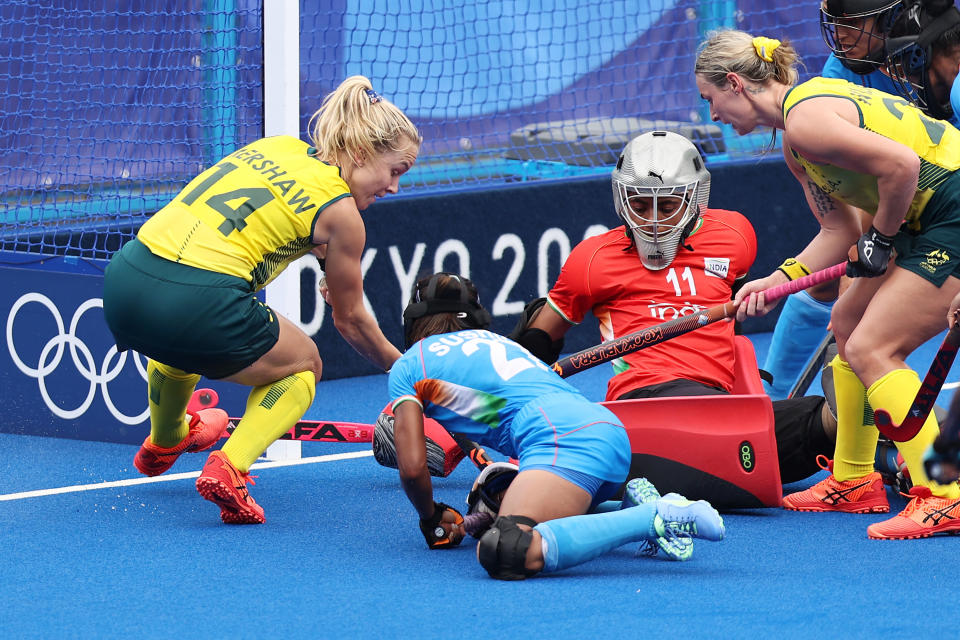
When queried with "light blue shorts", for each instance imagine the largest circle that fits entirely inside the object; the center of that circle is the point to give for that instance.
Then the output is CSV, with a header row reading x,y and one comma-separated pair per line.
x,y
578,440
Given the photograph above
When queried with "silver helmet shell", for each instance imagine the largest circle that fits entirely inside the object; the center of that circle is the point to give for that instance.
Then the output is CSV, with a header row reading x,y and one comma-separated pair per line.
x,y
667,171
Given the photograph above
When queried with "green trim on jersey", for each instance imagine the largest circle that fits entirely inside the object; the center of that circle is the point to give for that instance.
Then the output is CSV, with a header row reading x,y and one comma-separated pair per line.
x,y
936,143
251,214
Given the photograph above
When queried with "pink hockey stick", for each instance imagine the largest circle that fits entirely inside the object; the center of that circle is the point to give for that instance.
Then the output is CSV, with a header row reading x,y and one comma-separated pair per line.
x,y
606,351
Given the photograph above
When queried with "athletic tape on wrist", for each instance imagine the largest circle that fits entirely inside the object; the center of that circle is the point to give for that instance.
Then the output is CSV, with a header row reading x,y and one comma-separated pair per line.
x,y
793,269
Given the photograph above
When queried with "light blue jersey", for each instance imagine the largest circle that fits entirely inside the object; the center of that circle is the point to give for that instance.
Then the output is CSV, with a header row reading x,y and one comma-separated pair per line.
x,y
955,100
833,68
493,391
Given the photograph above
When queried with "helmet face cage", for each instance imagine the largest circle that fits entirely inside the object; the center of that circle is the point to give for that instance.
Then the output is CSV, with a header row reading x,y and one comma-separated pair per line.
x,y
909,55
850,18
907,65
667,171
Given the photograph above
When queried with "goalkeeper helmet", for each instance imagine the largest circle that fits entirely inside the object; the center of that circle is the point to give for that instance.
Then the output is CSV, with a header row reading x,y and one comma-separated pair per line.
x,y
914,39
660,190
445,293
855,30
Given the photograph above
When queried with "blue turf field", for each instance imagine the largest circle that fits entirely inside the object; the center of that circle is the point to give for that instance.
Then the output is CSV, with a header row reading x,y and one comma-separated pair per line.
x,y
341,556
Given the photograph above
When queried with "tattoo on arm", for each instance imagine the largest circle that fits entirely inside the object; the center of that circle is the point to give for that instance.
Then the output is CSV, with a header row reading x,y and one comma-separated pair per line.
x,y
823,204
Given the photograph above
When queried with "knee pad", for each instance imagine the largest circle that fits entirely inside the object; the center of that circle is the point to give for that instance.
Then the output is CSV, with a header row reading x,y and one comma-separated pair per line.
x,y
502,550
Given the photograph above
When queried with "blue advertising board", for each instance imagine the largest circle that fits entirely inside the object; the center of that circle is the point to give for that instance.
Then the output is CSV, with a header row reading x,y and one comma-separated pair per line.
x,y
62,374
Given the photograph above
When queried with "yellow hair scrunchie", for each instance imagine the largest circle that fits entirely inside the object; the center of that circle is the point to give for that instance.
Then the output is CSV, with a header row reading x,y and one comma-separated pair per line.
x,y
765,47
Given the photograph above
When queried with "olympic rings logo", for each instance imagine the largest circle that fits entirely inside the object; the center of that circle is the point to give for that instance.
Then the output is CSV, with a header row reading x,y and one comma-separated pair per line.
x,y
52,354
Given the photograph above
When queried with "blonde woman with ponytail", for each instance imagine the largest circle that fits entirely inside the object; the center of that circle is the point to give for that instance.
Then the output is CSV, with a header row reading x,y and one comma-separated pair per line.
x,y
853,147
183,292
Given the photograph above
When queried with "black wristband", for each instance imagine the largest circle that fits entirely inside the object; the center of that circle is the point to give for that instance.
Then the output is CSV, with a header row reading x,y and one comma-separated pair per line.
x,y
881,239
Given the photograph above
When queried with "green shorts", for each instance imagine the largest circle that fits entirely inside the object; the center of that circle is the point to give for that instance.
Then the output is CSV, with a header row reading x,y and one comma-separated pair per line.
x,y
933,253
195,320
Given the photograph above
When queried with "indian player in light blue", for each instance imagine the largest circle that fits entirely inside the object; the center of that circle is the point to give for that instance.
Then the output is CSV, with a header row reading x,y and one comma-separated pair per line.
x,y
573,453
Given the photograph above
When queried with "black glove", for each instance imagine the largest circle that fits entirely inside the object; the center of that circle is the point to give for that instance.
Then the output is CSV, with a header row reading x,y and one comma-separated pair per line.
x,y
873,255
434,533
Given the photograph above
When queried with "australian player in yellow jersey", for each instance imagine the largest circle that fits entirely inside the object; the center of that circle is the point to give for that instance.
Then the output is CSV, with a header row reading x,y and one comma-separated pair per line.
x,y
183,292
855,147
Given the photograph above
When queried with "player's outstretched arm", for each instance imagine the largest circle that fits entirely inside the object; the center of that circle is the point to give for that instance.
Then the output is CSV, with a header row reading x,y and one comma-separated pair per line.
x,y
345,237
440,524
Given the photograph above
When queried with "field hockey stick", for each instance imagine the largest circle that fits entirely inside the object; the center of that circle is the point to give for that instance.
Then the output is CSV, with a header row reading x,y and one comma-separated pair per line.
x,y
813,367
477,454
305,430
606,351
348,432
926,395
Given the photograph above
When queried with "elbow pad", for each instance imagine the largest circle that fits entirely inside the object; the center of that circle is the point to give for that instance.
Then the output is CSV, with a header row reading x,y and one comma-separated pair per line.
x,y
538,342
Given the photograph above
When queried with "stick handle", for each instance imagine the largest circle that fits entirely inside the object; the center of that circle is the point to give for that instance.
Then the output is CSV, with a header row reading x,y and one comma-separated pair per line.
x,y
606,351
815,278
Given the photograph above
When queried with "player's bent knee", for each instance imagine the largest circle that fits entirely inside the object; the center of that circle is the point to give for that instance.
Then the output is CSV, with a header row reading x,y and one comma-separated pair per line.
x,y
309,381
317,369
502,550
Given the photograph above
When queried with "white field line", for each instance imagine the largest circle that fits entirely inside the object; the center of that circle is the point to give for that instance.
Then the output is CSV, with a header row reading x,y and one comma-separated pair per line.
x,y
177,476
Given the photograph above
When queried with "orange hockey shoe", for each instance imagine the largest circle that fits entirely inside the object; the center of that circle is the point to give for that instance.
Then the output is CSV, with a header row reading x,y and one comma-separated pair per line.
x,y
861,495
925,515
206,426
222,483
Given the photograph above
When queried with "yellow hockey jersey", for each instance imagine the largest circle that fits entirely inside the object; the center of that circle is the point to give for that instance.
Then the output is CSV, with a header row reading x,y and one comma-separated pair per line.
x,y
249,215
936,143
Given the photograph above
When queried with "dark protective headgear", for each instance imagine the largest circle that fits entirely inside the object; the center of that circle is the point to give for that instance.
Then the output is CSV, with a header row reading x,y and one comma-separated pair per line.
x,y
487,491
459,296
848,16
909,52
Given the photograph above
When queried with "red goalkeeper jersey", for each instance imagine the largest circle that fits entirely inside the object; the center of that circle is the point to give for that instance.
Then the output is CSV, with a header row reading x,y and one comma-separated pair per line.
x,y
603,274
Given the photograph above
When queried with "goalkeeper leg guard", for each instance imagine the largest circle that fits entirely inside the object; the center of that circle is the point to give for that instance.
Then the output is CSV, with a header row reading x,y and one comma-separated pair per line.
x,y
857,436
272,409
799,330
168,392
567,542
895,392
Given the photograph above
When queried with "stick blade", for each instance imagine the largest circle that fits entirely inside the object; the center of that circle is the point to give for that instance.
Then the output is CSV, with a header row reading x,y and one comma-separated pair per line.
x,y
898,433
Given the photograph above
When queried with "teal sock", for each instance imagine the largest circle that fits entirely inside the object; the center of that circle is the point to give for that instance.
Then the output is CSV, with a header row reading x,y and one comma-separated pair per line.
x,y
800,328
574,540
607,505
